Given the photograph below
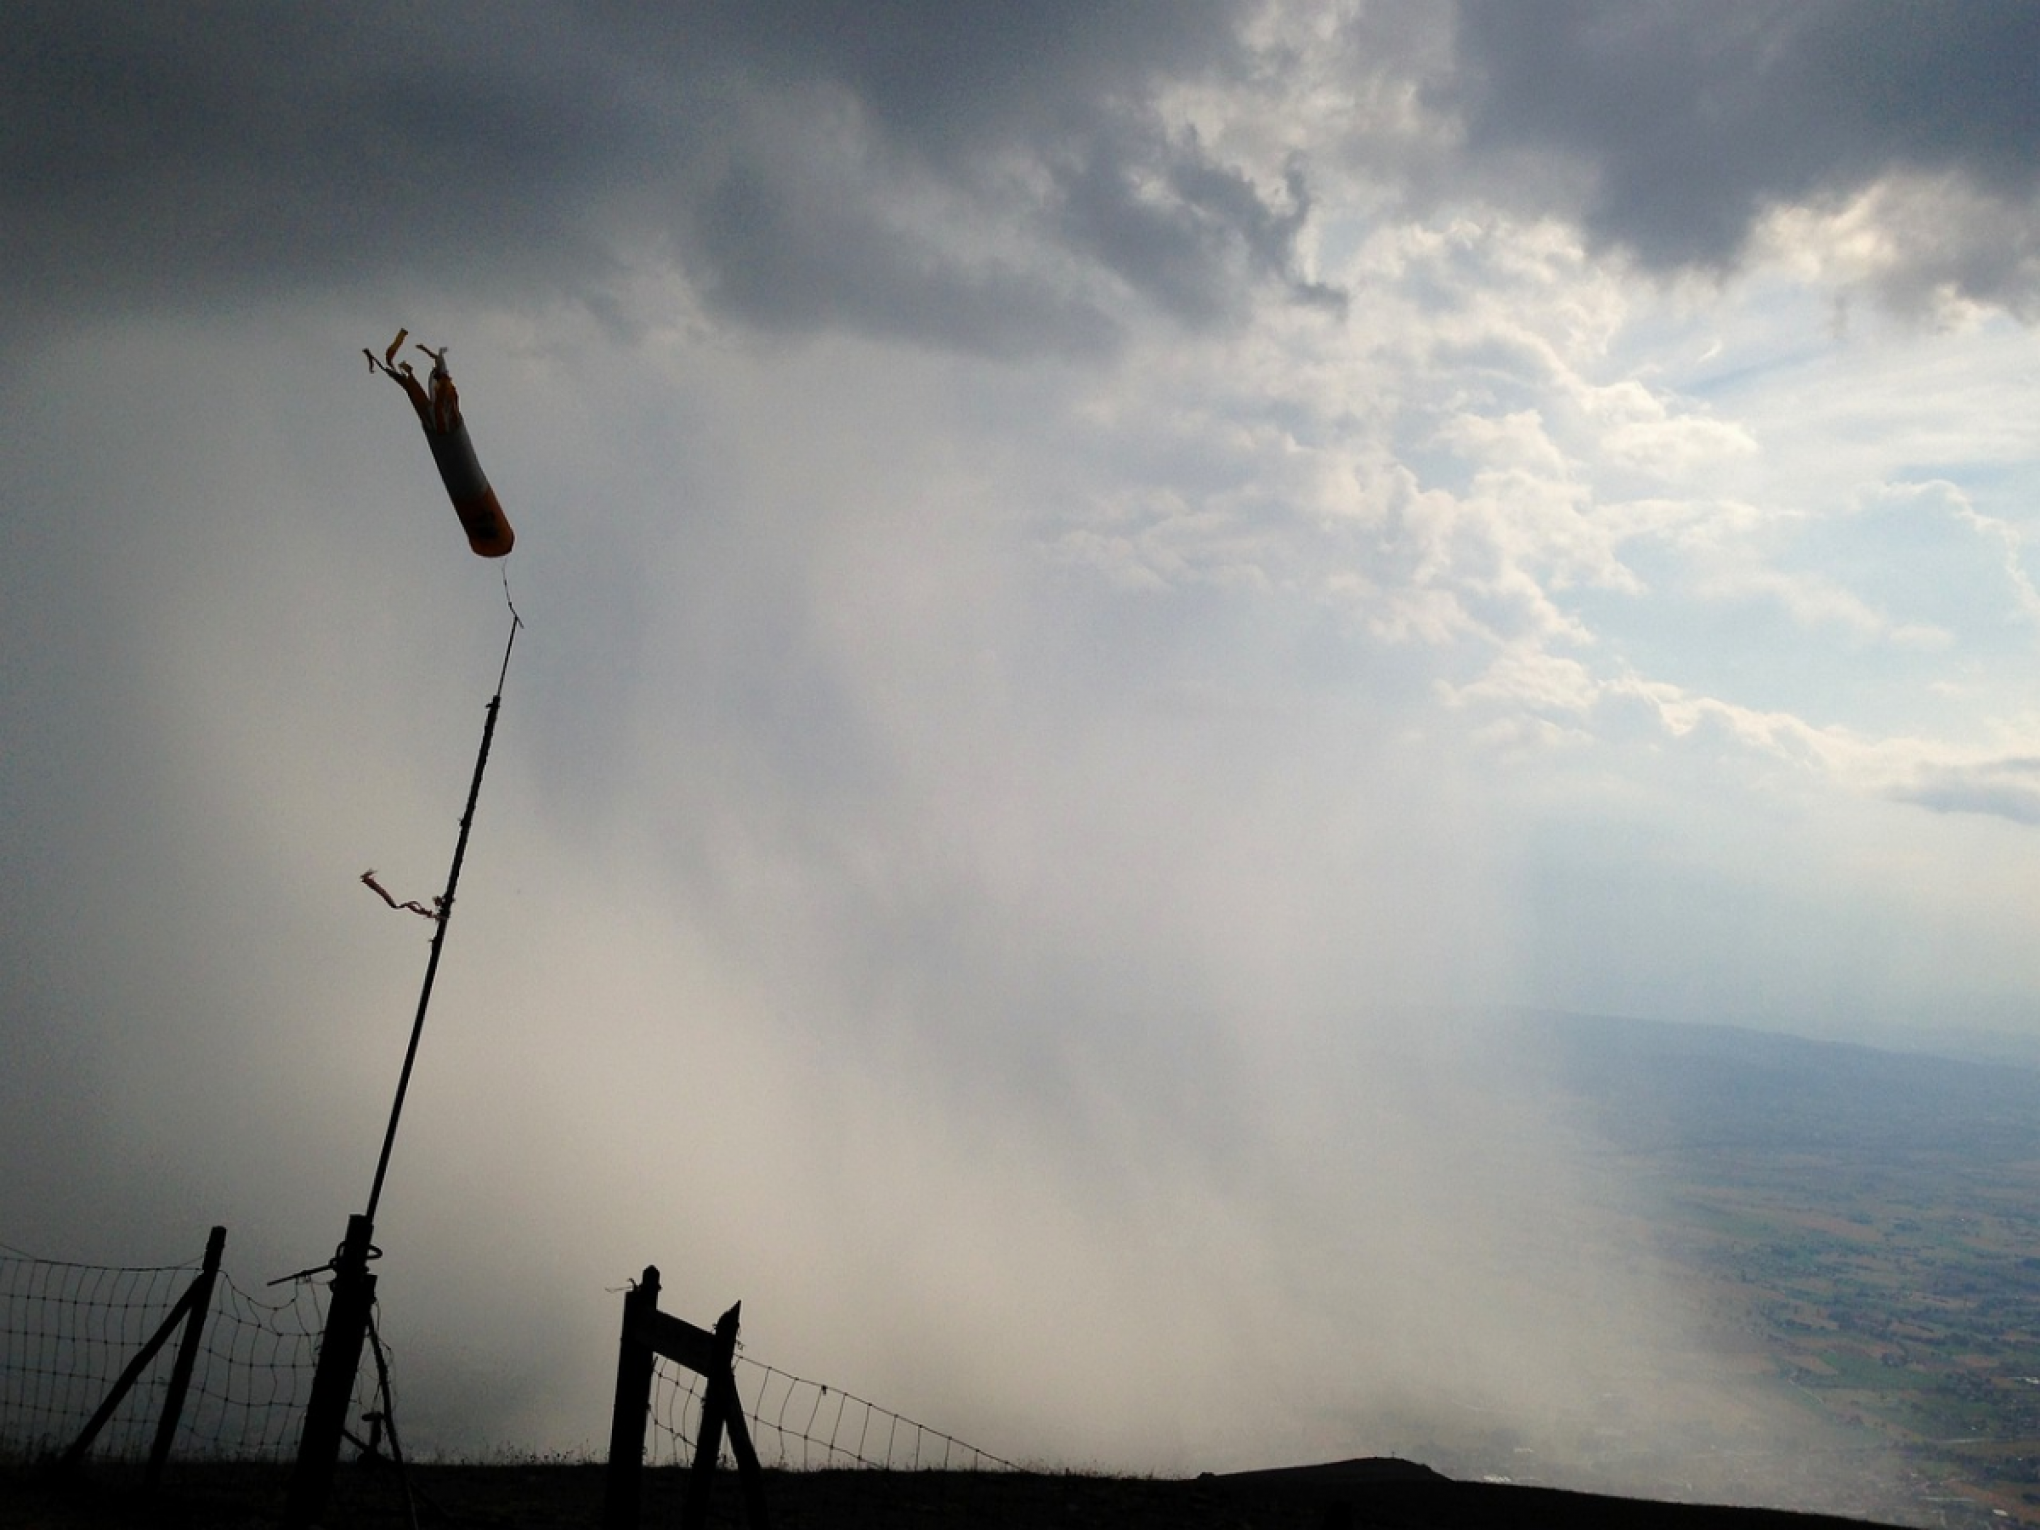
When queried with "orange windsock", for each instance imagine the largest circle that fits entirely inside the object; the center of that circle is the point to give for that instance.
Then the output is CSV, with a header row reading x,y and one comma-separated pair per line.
x,y
438,405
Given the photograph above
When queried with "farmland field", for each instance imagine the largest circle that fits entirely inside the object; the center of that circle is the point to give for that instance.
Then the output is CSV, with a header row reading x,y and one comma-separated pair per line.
x,y
1868,1222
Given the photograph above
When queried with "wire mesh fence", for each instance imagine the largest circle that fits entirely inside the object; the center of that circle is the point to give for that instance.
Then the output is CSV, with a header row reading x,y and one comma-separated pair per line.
x,y
829,1456
802,1425
254,1373
68,1331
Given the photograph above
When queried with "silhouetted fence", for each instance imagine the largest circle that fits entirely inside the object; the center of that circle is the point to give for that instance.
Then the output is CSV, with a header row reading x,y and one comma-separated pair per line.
x,y
802,1425
135,1365
143,1363
793,1443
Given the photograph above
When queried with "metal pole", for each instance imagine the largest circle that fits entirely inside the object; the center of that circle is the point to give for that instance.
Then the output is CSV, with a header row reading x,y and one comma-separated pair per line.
x,y
467,820
347,1317
311,1478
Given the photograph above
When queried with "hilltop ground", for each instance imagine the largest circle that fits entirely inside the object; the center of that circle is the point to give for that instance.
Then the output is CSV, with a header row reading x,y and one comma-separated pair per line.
x,y
543,1497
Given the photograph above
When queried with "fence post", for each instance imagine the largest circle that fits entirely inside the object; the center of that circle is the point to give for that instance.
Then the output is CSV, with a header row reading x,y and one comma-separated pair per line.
x,y
143,1357
623,1481
187,1354
701,1476
311,1479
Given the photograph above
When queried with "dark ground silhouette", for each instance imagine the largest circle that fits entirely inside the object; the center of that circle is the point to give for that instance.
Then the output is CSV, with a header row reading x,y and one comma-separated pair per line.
x,y
1394,1496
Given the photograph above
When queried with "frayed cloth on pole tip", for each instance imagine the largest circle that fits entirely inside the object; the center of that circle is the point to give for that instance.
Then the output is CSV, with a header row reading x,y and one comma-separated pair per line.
x,y
411,905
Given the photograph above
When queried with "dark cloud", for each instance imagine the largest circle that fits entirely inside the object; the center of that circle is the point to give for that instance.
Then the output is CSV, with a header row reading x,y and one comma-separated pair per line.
x,y
1690,120
907,169
155,156
2008,789
949,80
1186,248
982,176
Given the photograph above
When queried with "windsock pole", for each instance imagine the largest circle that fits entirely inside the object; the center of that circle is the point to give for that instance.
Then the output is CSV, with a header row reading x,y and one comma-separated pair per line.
x,y
353,1294
467,822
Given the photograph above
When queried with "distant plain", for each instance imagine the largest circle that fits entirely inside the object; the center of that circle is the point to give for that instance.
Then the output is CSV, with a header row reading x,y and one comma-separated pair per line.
x,y
1862,1226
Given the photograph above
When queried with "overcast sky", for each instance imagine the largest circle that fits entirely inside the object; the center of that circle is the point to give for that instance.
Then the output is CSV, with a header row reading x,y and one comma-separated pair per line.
x,y
1083,563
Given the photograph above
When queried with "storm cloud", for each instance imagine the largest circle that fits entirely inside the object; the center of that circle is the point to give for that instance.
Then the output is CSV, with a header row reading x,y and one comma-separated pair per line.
x,y
1676,128
964,175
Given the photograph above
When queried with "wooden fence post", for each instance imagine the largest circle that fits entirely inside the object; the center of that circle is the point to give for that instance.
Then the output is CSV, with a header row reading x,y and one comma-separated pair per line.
x,y
187,1354
750,1474
623,1482
649,1333
708,1447
189,1310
